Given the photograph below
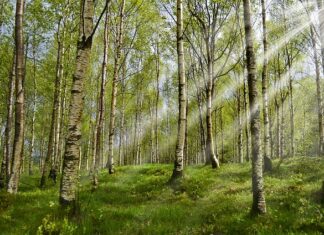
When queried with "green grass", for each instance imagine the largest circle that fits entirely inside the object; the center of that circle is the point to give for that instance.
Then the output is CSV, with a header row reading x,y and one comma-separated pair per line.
x,y
136,200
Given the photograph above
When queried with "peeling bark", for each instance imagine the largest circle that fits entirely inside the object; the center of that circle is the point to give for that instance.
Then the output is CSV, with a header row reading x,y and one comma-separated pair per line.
x,y
69,181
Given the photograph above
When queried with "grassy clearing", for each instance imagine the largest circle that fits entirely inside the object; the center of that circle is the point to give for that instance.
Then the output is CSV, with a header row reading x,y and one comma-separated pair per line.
x,y
136,200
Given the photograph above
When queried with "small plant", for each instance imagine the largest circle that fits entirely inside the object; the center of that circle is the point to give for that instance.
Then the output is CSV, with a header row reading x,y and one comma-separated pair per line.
x,y
51,226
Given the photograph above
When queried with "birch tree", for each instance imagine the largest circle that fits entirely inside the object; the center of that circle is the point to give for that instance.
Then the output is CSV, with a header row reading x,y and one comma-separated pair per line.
x,y
259,204
178,163
20,99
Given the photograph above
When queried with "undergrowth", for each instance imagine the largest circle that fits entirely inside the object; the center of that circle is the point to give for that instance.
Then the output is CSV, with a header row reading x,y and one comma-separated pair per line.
x,y
137,200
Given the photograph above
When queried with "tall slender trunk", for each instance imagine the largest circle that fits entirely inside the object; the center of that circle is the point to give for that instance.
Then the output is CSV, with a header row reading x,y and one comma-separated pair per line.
x,y
321,22
266,131
289,61
157,102
278,129
49,160
202,138
31,150
19,107
135,134
210,152
178,162
304,130
122,119
6,161
318,76
69,180
101,103
282,129
247,117
239,129
271,134
62,125
186,144
119,42
259,204
58,127
222,133
152,135
291,108
139,137
41,149
22,168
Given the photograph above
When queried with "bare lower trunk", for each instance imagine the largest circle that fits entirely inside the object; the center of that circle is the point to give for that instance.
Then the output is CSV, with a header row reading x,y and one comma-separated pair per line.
x,y
19,109
157,103
122,119
152,136
6,162
222,133
119,42
32,142
101,104
62,129
139,137
259,205
319,95
202,149
240,131
186,144
278,129
247,131
282,129
266,133
321,22
69,180
291,110
178,163
49,160
210,153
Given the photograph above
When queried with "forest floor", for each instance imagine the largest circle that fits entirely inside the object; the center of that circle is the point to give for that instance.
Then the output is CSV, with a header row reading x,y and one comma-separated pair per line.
x,y
136,200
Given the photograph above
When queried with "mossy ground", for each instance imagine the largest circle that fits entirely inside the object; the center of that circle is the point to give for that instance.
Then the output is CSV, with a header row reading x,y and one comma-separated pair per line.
x,y
137,200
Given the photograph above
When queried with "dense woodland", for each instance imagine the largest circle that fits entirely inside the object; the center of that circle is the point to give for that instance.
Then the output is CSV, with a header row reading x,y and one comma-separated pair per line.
x,y
94,93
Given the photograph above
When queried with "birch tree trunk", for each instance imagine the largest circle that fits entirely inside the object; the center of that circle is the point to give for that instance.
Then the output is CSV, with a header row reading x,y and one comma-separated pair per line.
x,y
6,161
178,163
122,119
157,102
31,150
321,22
19,107
222,132
247,130
119,42
202,153
318,83
259,204
266,133
318,94
240,131
69,180
49,160
210,151
101,103
291,108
